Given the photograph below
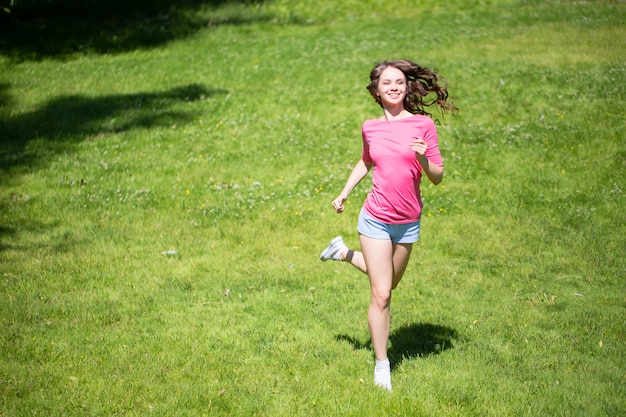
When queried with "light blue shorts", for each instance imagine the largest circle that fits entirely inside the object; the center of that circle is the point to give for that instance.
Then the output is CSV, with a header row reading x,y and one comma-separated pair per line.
x,y
398,233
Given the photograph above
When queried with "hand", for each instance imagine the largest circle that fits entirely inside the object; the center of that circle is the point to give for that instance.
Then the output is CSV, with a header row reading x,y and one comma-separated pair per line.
x,y
338,203
419,146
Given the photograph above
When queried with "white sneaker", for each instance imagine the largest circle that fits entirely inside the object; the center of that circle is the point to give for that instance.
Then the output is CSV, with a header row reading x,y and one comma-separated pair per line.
x,y
385,385
382,374
383,379
334,250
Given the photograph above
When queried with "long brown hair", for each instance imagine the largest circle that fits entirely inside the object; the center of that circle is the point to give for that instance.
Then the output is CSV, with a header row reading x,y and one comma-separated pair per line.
x,y
425,87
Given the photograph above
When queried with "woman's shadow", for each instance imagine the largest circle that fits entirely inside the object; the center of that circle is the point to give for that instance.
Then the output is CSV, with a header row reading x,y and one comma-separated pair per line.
x,y
411,341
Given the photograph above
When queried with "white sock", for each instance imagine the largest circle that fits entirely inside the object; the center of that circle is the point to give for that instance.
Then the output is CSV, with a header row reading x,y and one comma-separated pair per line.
x,y
382,374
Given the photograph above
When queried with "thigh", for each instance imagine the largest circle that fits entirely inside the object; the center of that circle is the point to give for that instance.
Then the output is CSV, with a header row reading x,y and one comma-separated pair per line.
x,y
378,255
401,255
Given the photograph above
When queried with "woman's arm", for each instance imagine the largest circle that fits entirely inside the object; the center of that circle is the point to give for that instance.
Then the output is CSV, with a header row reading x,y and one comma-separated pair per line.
x,y
434,172
358,173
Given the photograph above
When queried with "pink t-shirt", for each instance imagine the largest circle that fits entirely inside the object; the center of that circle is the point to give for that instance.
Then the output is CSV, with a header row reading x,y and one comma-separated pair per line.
x,y
395,197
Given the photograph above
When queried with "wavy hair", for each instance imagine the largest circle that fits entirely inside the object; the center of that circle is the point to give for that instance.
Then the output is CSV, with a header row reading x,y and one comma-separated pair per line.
x,y
425,88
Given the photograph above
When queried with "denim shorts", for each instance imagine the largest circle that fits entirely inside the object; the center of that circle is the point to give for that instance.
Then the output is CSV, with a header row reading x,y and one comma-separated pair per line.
x,y
398,233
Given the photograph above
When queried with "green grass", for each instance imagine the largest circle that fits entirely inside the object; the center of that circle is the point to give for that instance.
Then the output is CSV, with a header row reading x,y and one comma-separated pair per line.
x,y
227,144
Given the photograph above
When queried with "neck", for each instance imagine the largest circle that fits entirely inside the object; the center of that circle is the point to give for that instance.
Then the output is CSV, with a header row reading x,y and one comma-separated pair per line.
x,y
396,113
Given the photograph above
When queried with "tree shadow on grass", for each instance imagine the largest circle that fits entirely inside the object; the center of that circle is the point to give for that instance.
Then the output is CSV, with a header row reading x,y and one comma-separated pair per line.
x,y
5,97
62,123
411,341
39,29
67,120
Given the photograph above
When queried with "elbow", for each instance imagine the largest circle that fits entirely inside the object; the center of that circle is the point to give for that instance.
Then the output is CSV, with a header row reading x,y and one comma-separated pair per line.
x,y
436,178
434,173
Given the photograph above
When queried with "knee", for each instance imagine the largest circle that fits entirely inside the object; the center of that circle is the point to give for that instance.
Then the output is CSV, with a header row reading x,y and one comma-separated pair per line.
x,y
381,298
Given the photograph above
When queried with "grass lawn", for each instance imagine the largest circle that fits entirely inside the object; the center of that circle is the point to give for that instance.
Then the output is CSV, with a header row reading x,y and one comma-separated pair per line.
x,y
164,200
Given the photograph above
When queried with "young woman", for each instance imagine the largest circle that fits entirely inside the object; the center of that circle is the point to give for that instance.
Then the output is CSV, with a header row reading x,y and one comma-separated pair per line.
x,y
399,146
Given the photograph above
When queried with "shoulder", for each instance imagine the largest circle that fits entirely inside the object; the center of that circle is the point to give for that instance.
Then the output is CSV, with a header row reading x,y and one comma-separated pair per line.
x,y
422,120
370,125
370,122
424,124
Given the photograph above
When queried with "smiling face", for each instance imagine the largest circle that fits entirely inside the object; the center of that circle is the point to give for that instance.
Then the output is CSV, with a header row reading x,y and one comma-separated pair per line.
x,y
392,88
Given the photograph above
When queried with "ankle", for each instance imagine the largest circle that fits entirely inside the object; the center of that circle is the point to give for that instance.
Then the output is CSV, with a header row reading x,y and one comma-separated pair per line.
x,y
383,365
347,255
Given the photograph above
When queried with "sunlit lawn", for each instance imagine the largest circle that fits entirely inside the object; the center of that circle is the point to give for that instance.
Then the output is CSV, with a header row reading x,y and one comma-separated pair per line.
x,y
162,210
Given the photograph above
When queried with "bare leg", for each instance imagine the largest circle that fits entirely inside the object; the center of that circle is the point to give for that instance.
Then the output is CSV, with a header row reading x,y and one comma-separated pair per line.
x,y
386,263
401,253
355,258
378,256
